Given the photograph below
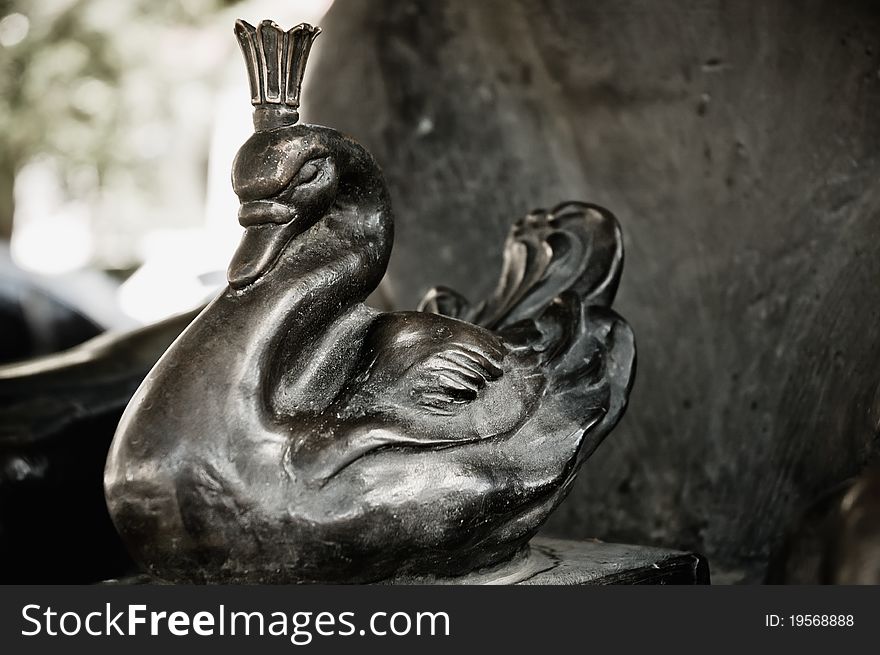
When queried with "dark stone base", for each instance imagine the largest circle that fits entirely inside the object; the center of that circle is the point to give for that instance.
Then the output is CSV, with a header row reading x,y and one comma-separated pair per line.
x,y
599,563
564,562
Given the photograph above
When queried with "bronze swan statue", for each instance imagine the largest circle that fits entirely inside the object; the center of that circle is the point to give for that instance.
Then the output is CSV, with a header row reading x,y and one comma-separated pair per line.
x,y
293,434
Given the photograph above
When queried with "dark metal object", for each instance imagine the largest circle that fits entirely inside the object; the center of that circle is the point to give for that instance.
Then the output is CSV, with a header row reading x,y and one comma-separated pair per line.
x,y
292,433
35,321
57,418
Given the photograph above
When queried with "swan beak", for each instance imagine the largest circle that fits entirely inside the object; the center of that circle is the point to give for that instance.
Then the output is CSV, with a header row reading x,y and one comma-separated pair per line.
x,y
260,248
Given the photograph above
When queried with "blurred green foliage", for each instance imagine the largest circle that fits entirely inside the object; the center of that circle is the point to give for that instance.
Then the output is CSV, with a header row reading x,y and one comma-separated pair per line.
x,y
63,84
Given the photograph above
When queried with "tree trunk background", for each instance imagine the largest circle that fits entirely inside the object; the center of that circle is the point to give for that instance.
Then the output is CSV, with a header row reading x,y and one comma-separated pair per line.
x,y
8,170
739,145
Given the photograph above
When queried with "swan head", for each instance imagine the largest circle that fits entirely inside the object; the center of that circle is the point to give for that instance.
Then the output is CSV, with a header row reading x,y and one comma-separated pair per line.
x,y
286,179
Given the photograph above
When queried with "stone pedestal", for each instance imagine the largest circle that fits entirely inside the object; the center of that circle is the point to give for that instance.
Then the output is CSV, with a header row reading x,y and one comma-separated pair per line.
x,y
590,562
599,563
566,562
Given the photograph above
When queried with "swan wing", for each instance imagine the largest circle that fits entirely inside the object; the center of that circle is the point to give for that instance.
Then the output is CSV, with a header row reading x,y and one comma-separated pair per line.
x,y
454,376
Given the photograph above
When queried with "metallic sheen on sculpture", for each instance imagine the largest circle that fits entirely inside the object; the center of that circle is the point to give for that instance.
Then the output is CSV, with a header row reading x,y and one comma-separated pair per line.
x,y
294,434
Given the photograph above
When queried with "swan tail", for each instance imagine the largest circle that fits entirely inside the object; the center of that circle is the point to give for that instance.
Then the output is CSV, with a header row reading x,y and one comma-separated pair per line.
x,y
575,247
559,277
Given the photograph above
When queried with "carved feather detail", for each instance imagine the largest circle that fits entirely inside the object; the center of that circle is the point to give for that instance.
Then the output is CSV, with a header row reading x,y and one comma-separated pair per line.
x,y
576,247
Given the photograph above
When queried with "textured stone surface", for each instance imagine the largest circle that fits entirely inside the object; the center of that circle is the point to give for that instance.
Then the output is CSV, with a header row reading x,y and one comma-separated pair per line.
x,y
738,143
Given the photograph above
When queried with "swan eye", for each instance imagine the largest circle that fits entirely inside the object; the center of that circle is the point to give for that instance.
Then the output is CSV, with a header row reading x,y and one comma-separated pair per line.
x,y
308,173
310,170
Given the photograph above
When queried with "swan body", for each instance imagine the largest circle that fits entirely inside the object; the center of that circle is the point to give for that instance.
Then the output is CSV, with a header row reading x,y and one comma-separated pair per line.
x,y
294,434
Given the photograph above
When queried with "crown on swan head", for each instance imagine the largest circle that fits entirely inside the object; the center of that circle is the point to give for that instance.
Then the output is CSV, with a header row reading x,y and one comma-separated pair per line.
x,y
275,61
